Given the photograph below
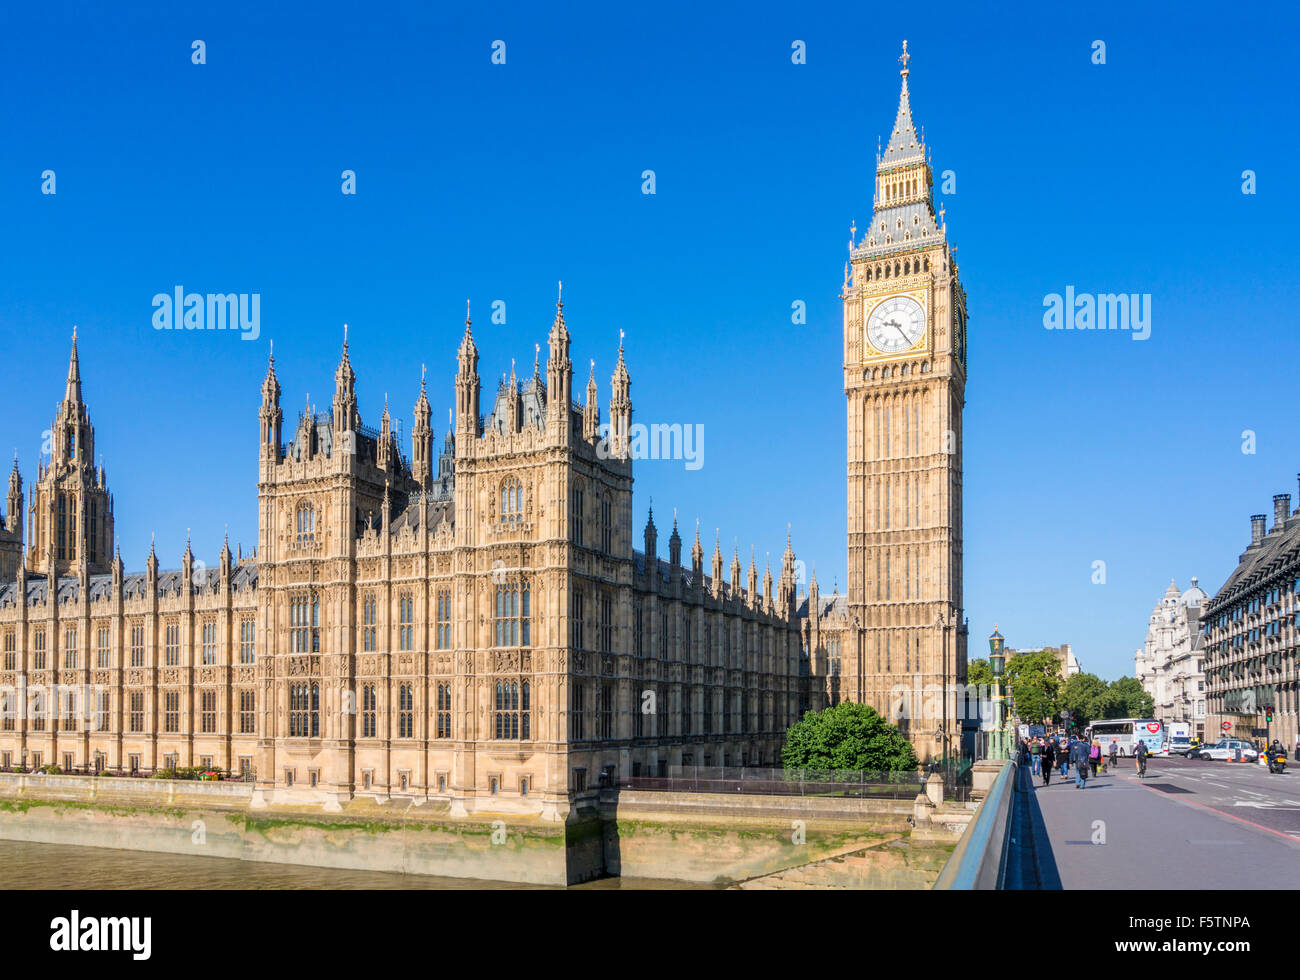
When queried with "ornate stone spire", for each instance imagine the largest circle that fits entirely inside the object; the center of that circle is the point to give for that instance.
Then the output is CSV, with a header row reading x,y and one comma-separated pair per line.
x,y
72,395
559,374
904,146
422,439
591,411
467,384
620,406
346,416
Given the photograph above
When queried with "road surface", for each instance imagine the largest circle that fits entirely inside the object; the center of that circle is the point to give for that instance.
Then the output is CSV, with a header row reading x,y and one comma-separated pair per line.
x,y
1189,824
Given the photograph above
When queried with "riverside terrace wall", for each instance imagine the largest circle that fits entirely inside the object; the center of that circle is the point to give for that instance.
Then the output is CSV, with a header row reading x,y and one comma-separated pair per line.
x,y
706,838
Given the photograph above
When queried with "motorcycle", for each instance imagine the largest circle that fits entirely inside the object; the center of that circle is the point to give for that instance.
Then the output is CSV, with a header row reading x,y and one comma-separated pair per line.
x,y
1277,762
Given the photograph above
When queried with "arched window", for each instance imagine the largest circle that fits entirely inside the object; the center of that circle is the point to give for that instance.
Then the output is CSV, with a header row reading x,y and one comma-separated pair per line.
x,y
304,711
444,711
512,502
306,525
304,623
510,710
405,711
368,711
406,617
512,615
368,610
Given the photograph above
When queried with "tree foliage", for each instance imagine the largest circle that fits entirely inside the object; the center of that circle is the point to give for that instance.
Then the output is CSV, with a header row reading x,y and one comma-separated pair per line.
x,y
1034,680
979,674
1089,699
1085,697
847,736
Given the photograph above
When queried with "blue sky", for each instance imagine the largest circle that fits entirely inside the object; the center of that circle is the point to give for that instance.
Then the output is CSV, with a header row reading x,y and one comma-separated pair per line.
x,y
494,181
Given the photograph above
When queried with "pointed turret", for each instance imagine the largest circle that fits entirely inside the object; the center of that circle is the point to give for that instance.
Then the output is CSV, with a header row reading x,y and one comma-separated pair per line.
x,y
14,502
789,575
904,146
717,565
385,437
735,571
651,546
346,416
467,387
752,590
422,440
620,406
697,559
674,553
559,374
591,411
270,415
72,393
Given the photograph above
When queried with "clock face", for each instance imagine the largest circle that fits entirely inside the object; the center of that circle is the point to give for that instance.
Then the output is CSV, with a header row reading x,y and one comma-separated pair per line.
x,y
896,325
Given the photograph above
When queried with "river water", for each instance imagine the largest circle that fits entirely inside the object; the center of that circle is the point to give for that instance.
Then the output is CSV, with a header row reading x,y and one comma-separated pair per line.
x,y
62,866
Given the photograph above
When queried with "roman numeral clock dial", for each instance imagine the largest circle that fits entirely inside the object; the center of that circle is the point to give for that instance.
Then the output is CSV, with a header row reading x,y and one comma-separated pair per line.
x,y
895,325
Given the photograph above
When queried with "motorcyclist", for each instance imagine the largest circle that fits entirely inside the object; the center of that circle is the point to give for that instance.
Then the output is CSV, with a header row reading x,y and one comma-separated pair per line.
x,y
1140,754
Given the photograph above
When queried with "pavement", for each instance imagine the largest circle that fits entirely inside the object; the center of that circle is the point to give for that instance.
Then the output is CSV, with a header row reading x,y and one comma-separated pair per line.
x,y
1187,825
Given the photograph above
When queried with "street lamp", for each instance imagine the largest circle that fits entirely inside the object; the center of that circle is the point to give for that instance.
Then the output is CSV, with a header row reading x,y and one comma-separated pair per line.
x,y
1000,743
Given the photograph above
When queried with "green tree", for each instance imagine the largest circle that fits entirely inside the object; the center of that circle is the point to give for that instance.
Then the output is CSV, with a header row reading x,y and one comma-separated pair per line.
x,y
1085,697
847,736
1128,700
1035,682
979,674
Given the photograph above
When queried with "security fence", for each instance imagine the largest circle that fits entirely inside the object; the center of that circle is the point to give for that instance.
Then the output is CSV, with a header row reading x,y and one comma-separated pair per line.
x,y
782,782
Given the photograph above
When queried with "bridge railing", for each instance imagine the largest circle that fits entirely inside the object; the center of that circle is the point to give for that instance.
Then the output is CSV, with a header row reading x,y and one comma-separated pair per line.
x,y
979,860
781,782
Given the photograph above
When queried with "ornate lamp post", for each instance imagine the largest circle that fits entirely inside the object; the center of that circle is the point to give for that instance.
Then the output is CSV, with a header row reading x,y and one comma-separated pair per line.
x,y
1000,739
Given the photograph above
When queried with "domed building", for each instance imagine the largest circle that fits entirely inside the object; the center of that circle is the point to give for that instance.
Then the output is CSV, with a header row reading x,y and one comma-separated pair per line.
x,y
1170,666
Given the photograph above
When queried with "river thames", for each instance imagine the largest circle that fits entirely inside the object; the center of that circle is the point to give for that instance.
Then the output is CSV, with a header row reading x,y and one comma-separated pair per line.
x,y
60,866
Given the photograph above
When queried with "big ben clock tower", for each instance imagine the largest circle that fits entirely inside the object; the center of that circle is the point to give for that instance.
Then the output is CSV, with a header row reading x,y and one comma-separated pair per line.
x,y
905,378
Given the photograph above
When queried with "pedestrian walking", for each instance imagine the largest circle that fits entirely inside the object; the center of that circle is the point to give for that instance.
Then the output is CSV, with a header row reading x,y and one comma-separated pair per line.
x,y
1114,753
1079,756
1094,756
1063,754
1049,760
1036,754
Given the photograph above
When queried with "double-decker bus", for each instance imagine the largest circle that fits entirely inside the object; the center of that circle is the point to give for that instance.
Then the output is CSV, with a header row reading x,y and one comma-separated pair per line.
x,y
1126,732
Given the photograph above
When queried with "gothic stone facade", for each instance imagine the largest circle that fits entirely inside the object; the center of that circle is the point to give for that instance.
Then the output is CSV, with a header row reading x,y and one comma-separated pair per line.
x,y
482,633
897,641
1252,645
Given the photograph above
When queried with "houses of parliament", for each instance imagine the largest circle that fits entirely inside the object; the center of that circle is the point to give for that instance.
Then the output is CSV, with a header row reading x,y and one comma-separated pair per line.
x,y
478,623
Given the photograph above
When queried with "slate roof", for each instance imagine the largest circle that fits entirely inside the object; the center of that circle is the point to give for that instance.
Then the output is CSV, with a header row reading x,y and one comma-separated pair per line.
x,y
1279,552
133,585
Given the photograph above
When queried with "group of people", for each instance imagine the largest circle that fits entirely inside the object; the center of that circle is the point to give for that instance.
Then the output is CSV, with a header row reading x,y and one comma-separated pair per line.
x,y
1058,752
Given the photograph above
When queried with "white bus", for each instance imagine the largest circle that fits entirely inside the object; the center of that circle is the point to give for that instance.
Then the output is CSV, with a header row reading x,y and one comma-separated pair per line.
x,y
1125,733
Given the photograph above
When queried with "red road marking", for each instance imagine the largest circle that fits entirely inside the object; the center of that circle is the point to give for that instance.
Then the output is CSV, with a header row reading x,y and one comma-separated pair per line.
x,y
1222,813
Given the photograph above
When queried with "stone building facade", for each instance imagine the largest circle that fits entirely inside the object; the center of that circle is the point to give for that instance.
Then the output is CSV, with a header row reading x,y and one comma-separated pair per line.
x,y
897,640
1250,635
475,626
1170,665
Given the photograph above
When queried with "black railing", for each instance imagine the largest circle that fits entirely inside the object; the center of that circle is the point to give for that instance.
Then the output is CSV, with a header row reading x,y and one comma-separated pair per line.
x,y
829,784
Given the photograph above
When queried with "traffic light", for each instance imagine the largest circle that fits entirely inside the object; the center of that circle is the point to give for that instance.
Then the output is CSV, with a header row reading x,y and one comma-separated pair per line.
x,y
1268,713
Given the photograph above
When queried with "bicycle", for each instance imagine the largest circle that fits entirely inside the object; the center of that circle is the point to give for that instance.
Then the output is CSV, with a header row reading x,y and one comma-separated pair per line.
x,y
1142,767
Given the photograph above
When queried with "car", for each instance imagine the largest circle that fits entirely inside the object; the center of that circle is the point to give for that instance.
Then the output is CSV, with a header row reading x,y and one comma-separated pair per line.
x,y
1226,749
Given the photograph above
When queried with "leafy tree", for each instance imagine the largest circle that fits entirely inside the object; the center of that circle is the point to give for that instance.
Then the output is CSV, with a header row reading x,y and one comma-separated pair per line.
x,y
1085,697
979,674
1128,700
1035,681
847,736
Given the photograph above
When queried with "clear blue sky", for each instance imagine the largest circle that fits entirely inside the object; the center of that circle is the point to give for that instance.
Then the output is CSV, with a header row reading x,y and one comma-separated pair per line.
x,y
492,182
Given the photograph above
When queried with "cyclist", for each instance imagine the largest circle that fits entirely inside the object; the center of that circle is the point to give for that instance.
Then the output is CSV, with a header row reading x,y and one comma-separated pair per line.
x,y
1140,753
